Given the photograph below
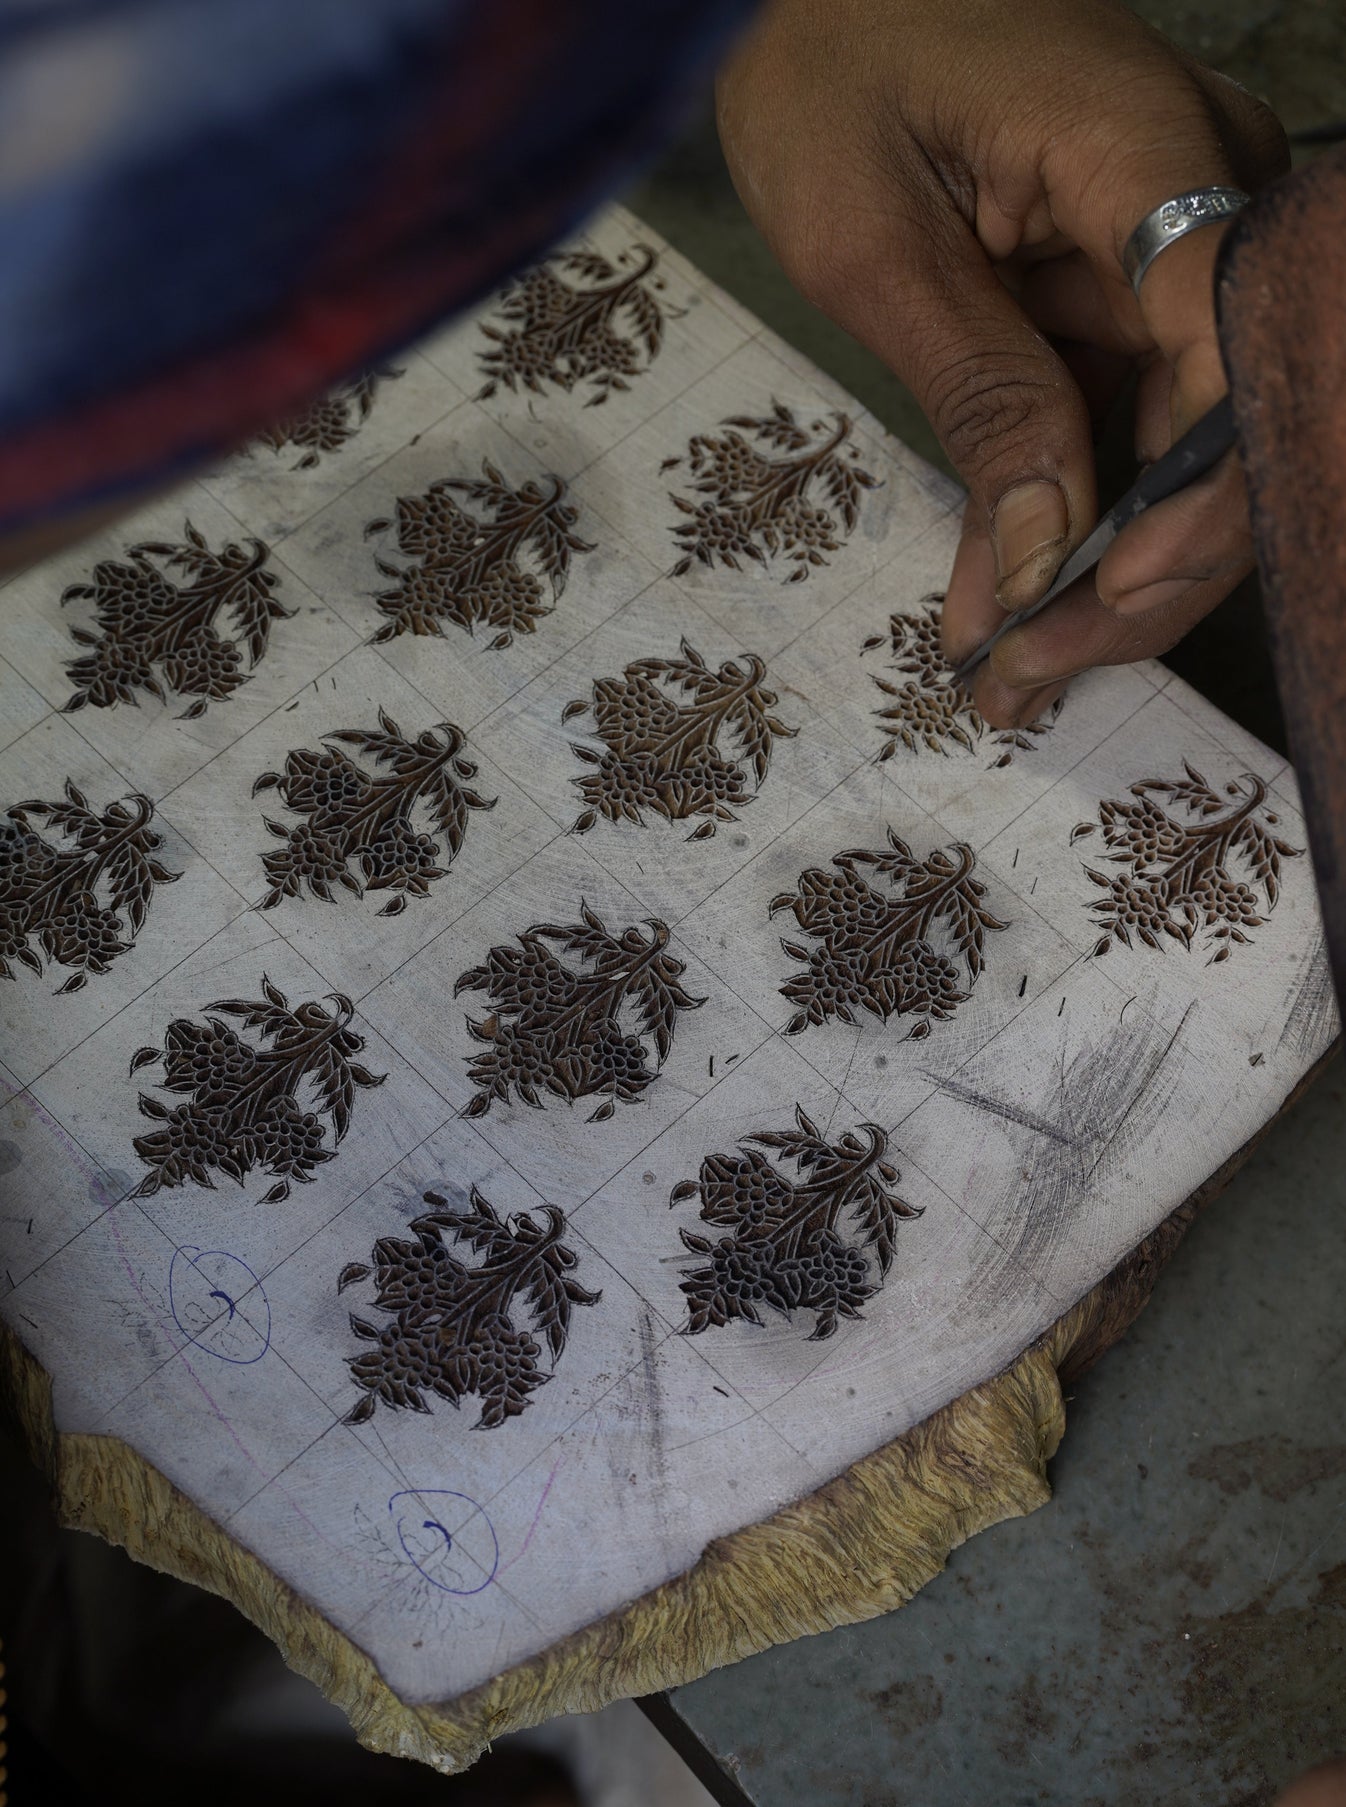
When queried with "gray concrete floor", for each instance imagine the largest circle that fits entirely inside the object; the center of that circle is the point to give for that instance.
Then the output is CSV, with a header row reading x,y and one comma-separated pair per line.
x,y
1172,1628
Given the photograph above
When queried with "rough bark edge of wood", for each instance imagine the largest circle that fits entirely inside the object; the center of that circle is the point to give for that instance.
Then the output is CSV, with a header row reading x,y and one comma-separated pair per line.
x,y
859,1546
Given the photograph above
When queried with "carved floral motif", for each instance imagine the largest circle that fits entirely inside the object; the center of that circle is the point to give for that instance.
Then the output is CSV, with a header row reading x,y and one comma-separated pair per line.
x,y
353,817
877,949
486,568
754,505
803,1244
576,319
76,900
930,707
575,1031
328,424
664,755
242,1106
451,1328
1191,869
158,631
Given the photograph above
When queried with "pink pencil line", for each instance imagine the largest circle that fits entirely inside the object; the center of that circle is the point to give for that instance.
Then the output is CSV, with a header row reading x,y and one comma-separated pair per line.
x,y
519,1553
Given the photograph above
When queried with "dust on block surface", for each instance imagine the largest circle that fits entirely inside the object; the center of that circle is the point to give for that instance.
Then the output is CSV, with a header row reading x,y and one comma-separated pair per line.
x,y
538,1023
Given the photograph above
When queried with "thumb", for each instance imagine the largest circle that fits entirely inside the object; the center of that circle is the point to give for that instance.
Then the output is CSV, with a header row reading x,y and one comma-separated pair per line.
x,y
1006,409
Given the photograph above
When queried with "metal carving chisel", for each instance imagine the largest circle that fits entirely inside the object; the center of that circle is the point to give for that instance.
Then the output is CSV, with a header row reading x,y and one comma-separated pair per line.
x,y
1198,451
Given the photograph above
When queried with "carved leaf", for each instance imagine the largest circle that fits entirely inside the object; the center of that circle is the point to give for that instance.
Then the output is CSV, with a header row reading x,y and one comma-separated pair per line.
x,y
660,997
242,1108
82,894
1192,865
887,954
455,1330
930,709
787,1247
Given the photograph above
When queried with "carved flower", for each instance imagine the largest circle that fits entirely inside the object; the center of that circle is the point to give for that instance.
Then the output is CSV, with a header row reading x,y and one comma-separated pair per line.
x,y
78,931
289,1140
188,1143
322,781
1224,899
207,1056
204,664
1141,830
13,932
827,1275
114,671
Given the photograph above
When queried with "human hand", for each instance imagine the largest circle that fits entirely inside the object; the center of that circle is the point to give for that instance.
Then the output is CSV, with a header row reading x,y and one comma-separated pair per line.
x,y
1323,1786
954,182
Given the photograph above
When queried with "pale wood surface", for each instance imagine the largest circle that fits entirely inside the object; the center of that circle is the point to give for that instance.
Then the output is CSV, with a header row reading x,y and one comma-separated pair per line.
x,y
1048,1126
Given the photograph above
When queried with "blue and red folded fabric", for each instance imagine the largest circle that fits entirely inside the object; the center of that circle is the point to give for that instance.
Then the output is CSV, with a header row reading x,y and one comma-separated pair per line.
x,y
212,210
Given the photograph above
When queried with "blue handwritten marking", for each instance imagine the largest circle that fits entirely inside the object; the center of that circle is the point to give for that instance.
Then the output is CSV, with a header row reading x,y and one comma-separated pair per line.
x,y
459,1561
195,1277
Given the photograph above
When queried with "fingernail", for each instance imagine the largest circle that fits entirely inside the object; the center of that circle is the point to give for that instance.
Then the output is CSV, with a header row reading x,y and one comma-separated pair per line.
x,y
1029,532
1152,596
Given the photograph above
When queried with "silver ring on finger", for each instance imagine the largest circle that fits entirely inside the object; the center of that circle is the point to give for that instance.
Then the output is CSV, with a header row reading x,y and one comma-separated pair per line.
x,y
1171,220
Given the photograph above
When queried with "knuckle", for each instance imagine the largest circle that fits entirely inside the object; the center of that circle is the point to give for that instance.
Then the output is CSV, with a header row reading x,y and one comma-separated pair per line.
x,y
1147,161
982,404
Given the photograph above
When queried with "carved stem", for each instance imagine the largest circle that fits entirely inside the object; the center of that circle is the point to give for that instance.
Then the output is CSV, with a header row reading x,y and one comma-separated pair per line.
x,y
1209,842
203,599
119,837
279,1070
196,608
913,921
90,873
699,724
828,1194
500,540
601,994
391,795
491,1287
792,476
596,306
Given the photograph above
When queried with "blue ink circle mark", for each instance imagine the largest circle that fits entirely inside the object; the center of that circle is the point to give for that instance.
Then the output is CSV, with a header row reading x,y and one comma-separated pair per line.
x,y
199,1283
456,1550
